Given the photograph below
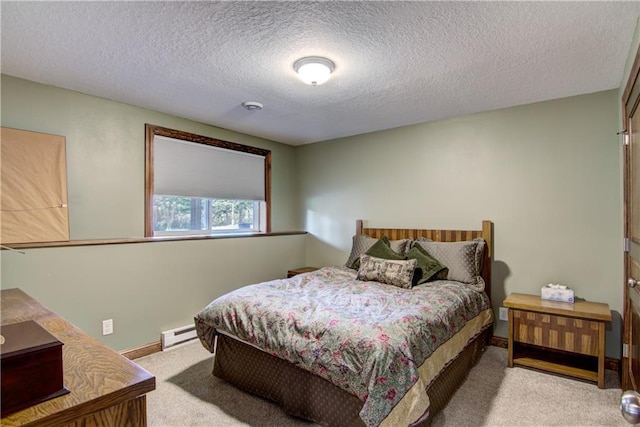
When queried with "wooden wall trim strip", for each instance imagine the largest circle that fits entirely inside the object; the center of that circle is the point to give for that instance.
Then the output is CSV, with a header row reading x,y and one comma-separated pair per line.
x,y
499,342
143,240
143,350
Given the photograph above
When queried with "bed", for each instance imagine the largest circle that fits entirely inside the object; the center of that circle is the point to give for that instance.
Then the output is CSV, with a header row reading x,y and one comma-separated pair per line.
x,y
366,343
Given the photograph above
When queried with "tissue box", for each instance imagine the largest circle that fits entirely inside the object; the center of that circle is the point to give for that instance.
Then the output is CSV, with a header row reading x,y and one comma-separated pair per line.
x,y
553,294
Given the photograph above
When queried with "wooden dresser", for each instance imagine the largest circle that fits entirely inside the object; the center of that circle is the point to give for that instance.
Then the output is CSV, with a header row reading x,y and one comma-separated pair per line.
x,y
106,389
560,337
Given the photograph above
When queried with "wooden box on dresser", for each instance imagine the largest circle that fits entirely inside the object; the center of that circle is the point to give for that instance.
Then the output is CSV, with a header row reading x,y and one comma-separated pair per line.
x,y
31,366
559,337
105,388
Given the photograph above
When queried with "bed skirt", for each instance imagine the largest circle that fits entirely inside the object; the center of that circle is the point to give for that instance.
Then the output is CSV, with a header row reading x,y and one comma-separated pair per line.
x,y
310,397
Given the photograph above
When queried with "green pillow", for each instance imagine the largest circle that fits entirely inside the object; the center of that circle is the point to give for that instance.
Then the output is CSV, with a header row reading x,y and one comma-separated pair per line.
x,y
380,249
427,267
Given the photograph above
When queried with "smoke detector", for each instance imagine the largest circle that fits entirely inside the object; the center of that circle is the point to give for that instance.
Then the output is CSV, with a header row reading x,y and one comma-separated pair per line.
x,y
252,105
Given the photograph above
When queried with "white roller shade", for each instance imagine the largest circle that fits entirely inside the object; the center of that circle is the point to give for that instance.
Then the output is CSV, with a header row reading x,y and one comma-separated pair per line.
x,y
190,169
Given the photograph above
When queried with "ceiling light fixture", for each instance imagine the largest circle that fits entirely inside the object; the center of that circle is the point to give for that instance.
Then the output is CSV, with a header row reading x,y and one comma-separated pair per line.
x,y
314,70
252,105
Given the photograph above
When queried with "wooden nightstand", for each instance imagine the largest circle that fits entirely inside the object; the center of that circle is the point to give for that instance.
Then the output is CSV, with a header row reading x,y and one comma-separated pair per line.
x,y
558,337
300,270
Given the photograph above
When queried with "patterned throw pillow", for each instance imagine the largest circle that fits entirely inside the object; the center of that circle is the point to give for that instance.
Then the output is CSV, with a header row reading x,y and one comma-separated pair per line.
x,y
463,259
392,272
427,267
362,243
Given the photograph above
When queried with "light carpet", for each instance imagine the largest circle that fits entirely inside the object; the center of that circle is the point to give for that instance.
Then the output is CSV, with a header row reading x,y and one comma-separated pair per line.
x,y
187,394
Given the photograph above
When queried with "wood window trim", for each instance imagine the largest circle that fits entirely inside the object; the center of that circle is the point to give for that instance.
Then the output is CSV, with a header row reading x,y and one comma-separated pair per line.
x,y
153,130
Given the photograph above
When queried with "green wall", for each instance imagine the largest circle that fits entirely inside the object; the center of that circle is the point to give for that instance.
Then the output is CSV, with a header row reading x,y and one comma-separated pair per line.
x,y
547,174
105,155
146,288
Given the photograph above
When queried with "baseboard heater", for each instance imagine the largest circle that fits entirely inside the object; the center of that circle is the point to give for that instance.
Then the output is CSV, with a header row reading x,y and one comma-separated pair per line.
x,y
178,335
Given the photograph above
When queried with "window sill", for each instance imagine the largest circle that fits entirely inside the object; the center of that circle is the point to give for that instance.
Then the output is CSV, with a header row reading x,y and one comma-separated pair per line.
x,y
121,241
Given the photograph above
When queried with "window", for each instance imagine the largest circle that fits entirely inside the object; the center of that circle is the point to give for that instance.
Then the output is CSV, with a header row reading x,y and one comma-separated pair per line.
x,y
196,215
200,185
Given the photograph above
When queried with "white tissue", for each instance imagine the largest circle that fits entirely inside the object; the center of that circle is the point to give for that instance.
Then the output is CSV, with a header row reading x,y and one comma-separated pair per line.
x,y
557,292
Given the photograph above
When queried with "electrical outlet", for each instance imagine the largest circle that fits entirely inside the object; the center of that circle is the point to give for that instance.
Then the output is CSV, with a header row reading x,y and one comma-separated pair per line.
x,y
504,313
107,327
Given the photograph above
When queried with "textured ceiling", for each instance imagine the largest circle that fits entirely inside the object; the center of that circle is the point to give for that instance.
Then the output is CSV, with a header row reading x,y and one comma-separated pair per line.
x,y
397,63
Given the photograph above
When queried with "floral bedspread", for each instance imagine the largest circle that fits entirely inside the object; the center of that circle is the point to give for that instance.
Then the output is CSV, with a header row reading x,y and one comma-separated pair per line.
x,y
367,338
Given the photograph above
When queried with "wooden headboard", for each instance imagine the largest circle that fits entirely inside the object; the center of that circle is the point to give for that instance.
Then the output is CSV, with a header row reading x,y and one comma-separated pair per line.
x,y
485,233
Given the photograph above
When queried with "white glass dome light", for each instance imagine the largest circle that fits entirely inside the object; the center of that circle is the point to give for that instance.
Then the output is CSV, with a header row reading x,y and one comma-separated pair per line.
x,y
314,70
